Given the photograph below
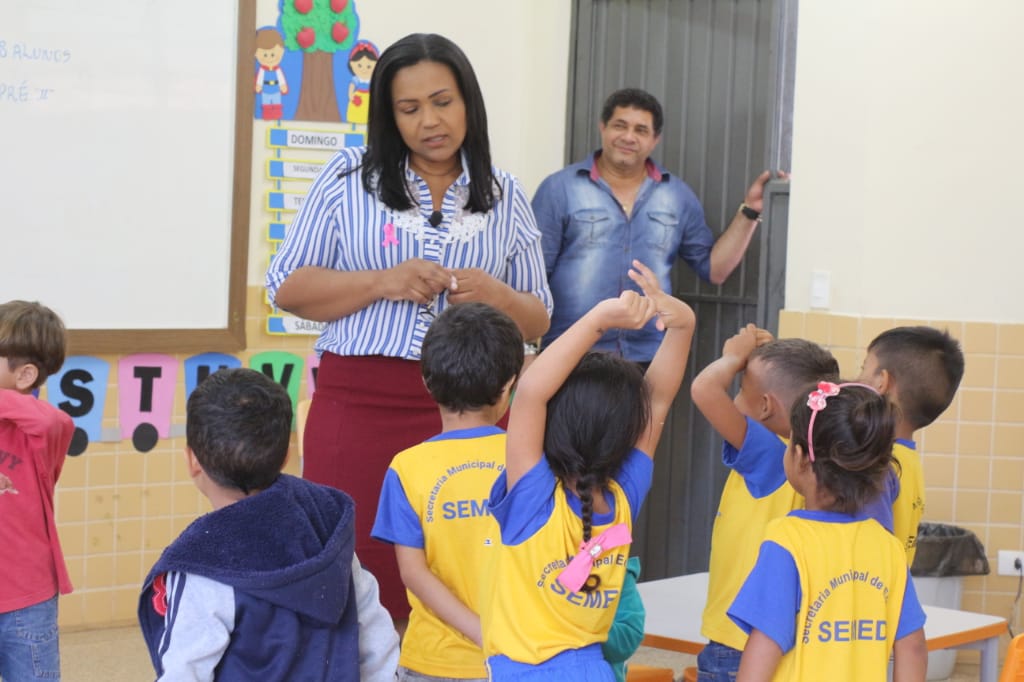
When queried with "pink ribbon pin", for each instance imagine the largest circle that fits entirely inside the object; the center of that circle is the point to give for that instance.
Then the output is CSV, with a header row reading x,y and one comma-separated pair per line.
x,y
576,573
389,236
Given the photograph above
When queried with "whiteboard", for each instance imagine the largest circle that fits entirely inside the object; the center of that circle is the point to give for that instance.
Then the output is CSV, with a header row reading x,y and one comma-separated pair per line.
x,y
127,125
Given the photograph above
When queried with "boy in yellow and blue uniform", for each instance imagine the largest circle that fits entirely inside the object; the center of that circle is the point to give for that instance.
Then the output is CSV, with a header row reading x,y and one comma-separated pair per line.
x,y
919,368
753,426
830,596
433,505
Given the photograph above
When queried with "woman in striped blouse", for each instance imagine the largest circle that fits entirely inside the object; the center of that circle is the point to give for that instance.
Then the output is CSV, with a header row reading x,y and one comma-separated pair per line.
x,y
388,236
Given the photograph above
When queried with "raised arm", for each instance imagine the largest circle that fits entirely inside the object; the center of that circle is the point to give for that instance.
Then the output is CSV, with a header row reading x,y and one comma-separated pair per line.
x,y
665,373
710,388
525,444
729,249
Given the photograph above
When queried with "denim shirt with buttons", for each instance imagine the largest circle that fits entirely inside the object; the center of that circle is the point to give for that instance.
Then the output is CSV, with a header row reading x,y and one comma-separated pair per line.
x,y
589,244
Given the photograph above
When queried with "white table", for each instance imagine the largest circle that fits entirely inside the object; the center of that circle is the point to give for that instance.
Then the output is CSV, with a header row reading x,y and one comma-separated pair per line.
x,y
675,606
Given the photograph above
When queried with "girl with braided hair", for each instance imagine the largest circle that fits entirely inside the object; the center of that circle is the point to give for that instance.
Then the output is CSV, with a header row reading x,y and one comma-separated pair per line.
x,y
582,432
830,597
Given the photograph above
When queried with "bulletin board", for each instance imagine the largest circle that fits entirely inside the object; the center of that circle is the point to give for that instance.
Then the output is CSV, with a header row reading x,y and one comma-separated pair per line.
x,y
125,170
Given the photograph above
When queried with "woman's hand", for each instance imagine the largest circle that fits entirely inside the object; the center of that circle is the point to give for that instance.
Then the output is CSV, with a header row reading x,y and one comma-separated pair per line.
x,y
416,280
476,285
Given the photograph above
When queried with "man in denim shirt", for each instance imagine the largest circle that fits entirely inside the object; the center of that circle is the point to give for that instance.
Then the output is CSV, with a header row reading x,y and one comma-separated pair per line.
x,y
598,215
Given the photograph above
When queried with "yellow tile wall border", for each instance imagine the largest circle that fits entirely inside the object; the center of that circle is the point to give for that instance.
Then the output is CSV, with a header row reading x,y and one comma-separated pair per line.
x,y
973,455
117,508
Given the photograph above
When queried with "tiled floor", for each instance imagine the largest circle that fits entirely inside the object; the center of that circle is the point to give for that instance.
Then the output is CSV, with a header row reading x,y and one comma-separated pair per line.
x,y
119,655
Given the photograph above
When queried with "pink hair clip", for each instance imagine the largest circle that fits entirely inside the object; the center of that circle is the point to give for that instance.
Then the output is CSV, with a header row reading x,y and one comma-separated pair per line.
x,y
575,574
817,399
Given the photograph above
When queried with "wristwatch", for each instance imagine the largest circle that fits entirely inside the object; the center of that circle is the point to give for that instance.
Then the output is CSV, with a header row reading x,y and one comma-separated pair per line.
x,y
749,213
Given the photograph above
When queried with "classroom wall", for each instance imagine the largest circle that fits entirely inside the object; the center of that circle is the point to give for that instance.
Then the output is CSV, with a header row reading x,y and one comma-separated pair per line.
x,y
906,158
906,151
861,132
117,508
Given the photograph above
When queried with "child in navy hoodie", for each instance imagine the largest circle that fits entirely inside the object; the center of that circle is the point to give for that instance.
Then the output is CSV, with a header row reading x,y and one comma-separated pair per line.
x,y
267,585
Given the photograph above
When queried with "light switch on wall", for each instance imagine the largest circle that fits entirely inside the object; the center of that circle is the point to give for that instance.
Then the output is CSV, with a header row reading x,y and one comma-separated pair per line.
x,y
821,285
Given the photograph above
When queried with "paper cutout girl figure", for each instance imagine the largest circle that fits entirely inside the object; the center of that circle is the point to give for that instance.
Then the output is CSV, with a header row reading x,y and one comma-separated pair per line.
x,y
270,81
361,61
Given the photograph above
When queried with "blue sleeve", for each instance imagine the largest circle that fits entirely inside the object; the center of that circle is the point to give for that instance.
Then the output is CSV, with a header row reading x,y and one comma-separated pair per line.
x,y
522,511
695,246
635,479
760,461
549,209
881,508
396,520
770,598
911,614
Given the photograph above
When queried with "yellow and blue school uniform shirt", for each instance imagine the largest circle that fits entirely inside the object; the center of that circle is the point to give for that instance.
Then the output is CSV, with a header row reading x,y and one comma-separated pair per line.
x,y
435,498
834,592
755,493
528,617
908,508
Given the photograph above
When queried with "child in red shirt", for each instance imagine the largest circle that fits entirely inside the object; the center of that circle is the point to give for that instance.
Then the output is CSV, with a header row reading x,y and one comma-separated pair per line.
x,y
34,439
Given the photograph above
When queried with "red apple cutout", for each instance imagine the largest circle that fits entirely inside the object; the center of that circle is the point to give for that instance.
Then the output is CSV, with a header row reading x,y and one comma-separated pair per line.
x,y
338,6
305,38
303,6
339,32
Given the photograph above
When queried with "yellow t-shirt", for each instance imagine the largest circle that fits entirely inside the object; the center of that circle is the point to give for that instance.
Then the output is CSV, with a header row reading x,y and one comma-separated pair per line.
x,y
435,498
908,508
849,593
755,493
526,614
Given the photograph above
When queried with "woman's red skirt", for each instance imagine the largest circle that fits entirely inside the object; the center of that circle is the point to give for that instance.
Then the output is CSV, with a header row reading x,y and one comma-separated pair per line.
x,y
365,410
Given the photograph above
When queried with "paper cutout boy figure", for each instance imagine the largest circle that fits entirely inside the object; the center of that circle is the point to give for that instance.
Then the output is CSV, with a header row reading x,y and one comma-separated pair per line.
x,y
361,61
270,81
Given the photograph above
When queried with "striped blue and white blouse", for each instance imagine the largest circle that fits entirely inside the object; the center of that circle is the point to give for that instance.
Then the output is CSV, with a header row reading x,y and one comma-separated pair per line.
x,y
343,227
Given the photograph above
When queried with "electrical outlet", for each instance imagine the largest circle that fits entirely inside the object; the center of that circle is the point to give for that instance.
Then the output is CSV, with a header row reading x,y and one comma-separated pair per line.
x,y
1006,559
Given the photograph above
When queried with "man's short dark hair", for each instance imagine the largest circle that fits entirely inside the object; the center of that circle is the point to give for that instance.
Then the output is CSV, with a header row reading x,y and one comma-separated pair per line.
x,y
795,365
469,353
926,364
634,98
238,425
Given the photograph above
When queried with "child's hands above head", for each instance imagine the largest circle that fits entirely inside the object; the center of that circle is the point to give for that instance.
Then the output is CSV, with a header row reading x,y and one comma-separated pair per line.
x,y
629,311
672,312
739,347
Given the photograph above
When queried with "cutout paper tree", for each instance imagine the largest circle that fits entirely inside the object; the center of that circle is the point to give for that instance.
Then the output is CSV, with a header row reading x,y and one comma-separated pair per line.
x,y
319,29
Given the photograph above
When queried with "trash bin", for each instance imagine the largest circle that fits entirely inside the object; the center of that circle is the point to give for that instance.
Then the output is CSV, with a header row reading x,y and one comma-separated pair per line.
x,y
944,555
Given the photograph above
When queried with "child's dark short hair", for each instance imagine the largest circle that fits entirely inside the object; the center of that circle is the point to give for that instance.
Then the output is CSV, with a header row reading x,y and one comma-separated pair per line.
x,y
852,439
31,333
469,353
793,366
926,364
238,425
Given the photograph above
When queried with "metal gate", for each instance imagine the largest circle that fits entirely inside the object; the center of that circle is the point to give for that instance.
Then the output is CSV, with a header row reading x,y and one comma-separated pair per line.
x,y
722,70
